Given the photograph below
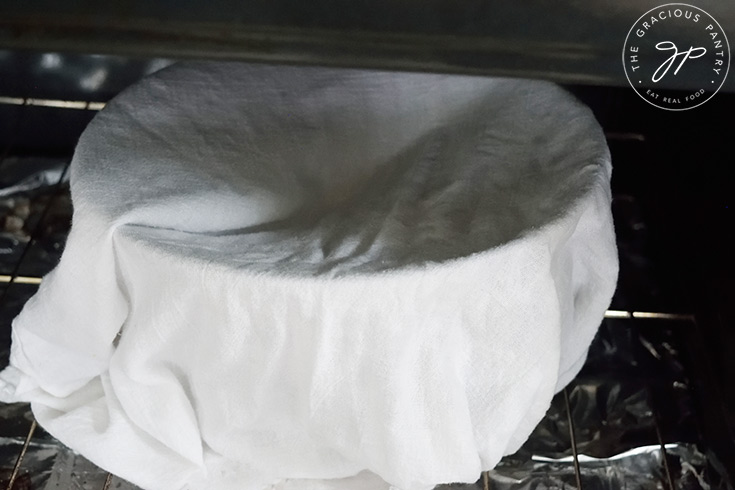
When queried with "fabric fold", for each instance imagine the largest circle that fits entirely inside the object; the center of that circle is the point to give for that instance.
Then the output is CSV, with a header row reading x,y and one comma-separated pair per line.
x,y
291,277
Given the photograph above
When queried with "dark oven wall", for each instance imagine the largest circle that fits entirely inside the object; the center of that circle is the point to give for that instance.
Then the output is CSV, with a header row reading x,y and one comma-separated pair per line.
x,y
678,169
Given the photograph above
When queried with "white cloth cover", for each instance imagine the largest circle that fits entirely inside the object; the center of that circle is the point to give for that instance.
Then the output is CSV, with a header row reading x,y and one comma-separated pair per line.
x,y
280,273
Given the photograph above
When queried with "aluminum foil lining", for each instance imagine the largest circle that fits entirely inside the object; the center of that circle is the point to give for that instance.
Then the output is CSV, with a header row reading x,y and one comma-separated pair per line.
x,y
28,185
639,468
48,465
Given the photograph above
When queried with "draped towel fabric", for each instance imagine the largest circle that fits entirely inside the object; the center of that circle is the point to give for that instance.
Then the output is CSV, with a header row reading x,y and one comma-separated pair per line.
x,y
309,278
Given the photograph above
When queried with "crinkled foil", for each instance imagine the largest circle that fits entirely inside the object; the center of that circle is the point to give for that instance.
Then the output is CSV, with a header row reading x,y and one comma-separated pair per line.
x,y
48,465
620,432
27,185
37,467
639,468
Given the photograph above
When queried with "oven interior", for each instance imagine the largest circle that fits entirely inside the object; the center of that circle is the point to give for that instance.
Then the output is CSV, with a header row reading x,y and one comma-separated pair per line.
x,y
653,407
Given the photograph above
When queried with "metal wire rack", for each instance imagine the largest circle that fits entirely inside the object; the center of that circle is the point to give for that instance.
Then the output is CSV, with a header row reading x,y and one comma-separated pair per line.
x,y
584,442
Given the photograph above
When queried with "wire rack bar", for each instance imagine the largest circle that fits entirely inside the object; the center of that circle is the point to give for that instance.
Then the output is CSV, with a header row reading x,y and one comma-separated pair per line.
x,y
617,314
56,103
573,438
625,136
661,443
108,482
19,461
4,279
485,480
650,315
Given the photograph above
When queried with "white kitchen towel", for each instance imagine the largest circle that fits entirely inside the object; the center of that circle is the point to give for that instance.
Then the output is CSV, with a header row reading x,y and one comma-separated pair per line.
x,y
278,275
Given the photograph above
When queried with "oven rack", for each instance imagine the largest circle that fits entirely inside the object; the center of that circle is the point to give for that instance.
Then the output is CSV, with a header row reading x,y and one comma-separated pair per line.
x,y
661,431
